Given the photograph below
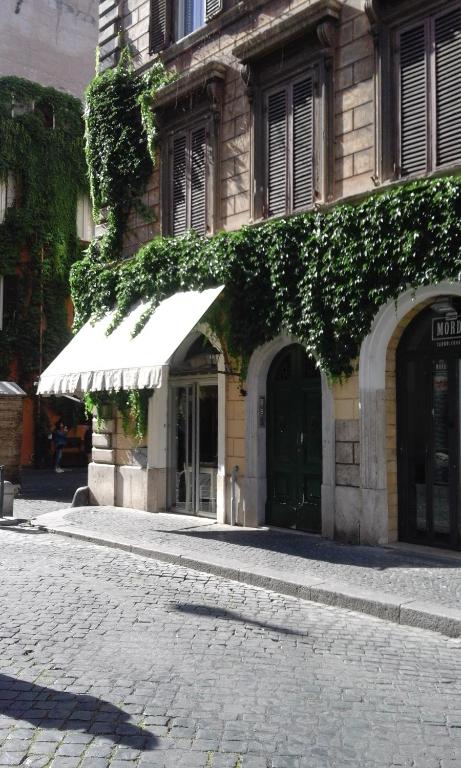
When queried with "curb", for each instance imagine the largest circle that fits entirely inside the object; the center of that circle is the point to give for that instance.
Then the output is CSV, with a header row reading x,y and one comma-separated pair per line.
x,y
381,605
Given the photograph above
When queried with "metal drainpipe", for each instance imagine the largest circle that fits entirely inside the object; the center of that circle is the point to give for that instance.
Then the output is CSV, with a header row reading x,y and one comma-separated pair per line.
x,y
234,474
2,488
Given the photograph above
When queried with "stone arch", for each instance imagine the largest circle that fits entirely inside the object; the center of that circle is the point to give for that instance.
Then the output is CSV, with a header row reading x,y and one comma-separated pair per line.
x,y
255,437
378,435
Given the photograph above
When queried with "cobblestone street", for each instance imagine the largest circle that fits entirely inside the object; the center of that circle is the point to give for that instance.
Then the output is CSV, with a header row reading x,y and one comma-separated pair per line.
x,y
112,659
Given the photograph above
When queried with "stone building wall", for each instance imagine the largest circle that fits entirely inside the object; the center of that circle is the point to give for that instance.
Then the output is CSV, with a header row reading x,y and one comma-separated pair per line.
x,y
353,129
11,412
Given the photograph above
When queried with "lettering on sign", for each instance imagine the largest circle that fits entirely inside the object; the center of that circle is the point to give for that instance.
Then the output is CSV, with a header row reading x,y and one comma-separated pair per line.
x,y
446,331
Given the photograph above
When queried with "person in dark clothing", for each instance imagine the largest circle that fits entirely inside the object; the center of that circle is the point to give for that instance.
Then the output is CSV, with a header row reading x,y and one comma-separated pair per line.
x,y
59,441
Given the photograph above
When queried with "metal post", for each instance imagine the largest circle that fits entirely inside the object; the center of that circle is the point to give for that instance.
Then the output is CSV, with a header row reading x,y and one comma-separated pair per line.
x,y
2,487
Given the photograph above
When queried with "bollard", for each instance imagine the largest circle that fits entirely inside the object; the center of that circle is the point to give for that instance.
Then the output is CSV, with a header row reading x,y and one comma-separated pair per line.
x,y
2,487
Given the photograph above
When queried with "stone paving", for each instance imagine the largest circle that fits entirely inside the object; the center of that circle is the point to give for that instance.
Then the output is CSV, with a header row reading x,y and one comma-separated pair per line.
x,y
110,660
42,490
407,574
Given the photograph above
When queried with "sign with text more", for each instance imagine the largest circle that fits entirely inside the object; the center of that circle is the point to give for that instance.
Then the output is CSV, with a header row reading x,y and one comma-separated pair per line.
x,y
446,331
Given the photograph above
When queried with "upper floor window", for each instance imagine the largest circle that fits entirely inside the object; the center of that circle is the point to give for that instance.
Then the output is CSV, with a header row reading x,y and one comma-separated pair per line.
x,y
429,93
289,126
171,21
189,15
188,174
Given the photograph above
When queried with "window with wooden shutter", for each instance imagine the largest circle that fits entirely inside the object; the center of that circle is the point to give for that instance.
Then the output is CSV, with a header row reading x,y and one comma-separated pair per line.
x,y
179,186
303,144
430,93
413,100
198,181
277,152
290,147
447,48
159,26
213,7
189,181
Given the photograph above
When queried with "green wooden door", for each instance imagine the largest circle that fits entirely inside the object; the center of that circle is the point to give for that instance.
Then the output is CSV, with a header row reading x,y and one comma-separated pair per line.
x,y
294,442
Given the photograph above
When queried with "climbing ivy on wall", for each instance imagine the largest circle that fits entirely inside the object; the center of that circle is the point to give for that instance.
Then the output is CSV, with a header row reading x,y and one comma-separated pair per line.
x,y
41,147
120,147
321,276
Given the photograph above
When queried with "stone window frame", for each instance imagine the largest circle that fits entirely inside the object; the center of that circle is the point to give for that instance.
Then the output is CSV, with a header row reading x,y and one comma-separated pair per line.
x,y
305,40
388,18
191,101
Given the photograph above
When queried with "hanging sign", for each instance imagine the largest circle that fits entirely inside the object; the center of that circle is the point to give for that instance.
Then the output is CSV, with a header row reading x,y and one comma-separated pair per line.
x,y
446,331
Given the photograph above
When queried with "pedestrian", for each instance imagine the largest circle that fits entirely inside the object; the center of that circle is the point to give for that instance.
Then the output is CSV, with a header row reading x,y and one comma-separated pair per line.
x,y
59,441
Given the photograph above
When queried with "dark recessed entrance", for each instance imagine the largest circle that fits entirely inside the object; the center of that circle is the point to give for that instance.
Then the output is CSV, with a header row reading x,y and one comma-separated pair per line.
x,y
428,430
294,441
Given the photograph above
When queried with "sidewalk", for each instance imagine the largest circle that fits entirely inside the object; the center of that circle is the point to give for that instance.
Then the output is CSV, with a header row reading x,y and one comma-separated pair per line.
x,y
411,586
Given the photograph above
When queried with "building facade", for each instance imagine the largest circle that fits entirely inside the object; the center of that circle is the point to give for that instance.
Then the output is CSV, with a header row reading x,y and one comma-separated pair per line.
x,y
280,107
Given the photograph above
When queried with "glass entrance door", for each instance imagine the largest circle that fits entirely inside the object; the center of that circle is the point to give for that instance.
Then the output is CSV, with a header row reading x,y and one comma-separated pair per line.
x,y
428,408
195,449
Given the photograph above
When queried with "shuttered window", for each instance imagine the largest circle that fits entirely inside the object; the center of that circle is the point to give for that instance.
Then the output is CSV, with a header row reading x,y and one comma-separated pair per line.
x,y
430,93
178,18
290,123
213,7
189,181
159,27
447,45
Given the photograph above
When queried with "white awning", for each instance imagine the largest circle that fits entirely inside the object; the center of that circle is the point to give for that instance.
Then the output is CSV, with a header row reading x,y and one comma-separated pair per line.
x,y
95,361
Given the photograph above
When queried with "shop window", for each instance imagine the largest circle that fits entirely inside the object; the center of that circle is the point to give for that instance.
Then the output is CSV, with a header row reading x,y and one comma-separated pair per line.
x,y
171,21
429,93
188,174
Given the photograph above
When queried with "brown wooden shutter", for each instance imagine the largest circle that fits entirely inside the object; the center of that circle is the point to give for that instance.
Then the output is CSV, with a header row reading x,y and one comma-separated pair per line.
x,y
447,39
413,100
198,180
213,7
179,186
277,118
159,26
303,144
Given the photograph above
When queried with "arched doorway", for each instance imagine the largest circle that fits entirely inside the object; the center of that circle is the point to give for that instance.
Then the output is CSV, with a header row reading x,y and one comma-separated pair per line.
x,y
294,441
428,425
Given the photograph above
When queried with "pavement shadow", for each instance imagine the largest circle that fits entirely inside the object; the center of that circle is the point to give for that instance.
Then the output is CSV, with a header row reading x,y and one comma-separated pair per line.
x,y
311,547
60,710
46,485
223,613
